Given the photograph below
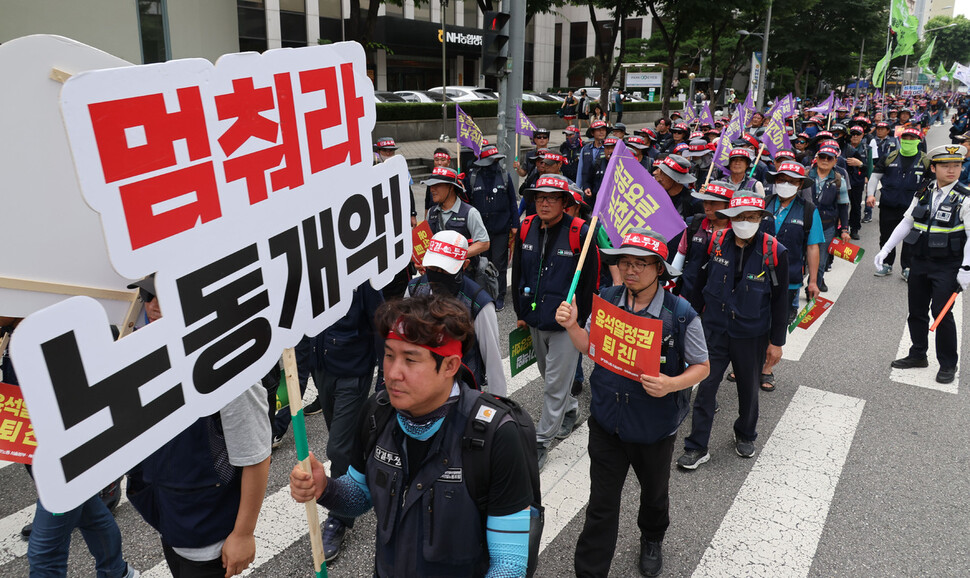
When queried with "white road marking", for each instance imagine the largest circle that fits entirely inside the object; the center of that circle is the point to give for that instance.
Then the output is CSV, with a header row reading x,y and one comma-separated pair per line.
x,y
836,279
565,483
524,377
774,525
926,377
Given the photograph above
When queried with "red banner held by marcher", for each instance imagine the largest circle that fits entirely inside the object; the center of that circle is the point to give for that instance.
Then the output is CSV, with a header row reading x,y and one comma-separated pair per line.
x,y
420,238
17,442
624,343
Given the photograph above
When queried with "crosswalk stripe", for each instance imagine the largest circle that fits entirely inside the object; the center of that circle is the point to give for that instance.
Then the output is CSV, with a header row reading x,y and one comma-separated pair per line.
x,y
565,483
524,377
774,525
836,279
926,377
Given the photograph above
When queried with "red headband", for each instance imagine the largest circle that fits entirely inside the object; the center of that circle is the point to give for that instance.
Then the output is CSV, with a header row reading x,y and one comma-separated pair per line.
x,y
645,242
447,348
675,165
447,249
442,156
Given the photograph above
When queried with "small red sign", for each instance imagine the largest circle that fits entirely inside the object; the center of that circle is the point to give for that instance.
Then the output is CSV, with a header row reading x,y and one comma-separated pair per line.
x,y
624,343
17,442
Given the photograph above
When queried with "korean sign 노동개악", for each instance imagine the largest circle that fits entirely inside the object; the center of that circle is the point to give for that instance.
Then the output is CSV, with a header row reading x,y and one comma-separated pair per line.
x,y
248,187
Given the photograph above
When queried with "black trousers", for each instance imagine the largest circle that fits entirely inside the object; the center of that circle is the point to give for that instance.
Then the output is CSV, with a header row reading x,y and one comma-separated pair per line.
x,y
889,217
855,207
747,357
185,568
610,460
498,255
930,286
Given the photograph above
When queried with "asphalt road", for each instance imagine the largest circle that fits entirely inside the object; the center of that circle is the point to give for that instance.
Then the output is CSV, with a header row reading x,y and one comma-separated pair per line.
x,y
860,471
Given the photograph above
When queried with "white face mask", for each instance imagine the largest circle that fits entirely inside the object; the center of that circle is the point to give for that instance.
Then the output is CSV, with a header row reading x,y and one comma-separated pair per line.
x,y
744,229
786,190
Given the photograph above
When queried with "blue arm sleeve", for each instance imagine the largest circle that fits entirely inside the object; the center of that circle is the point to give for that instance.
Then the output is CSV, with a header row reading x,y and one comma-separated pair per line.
x,y
347,495
508,544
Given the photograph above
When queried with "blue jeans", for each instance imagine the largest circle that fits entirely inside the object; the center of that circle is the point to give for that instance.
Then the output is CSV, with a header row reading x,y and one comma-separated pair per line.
x,y
824,257
50,540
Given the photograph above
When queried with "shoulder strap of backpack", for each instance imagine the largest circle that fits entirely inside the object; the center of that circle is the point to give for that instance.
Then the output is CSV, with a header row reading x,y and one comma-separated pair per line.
x,y
769,246
716,239
892,156
524,227
694,226
378,412
575,228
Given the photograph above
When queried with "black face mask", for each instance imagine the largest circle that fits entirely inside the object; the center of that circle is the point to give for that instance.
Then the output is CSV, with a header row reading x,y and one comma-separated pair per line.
x,y
445,282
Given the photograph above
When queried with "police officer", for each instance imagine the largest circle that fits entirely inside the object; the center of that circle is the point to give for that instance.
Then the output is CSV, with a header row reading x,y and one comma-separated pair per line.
x,y
410,468
934,228
638,430
900,173
743,292
546,256
444,264
493,194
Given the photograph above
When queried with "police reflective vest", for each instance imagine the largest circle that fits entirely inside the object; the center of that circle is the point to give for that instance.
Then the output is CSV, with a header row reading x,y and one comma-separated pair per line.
x,y
490,188
740,309
899,184
547,271
621,405
940,234
428,505
475,298
187,490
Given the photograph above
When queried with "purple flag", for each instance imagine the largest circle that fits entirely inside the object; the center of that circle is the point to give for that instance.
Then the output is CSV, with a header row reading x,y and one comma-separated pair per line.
x,y
747,109
775,136
787,106
630,197
827,106
706,116
468,132
523,125
723,151
690,112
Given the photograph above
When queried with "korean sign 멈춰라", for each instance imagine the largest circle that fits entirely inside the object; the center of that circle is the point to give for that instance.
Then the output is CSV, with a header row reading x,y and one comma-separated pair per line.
x,y
248,187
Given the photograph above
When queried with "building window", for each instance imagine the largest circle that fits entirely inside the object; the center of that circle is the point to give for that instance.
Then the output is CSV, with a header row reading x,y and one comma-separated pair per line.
x,y
151,26
292,29
634,28
471,14
329,8
577,41
422,12
557,57
394,10
293,6
252,25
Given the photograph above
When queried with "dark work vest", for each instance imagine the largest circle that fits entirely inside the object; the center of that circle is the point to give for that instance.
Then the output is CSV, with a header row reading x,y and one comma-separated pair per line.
x,y
490,196
827,199
899,184
457,222
791,233
187,490
427,522
548,276
939,235
621,405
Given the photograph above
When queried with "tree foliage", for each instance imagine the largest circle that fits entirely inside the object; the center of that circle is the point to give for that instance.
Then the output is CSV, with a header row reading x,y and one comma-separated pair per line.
x,y
952,44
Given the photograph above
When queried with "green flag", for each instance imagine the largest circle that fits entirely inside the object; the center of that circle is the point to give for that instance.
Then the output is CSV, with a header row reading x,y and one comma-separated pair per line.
x,y
906,27
953,71
940,73
924,61
879,75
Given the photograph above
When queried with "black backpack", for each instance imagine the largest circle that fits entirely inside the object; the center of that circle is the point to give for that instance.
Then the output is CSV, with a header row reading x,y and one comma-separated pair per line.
x,y
476,447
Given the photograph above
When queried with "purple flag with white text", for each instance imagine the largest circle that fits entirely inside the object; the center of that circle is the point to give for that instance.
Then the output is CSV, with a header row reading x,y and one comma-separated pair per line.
x,y
467,131
523,125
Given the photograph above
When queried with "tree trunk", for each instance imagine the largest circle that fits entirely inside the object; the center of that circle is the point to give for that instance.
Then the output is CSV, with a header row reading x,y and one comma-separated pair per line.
x,y
798,76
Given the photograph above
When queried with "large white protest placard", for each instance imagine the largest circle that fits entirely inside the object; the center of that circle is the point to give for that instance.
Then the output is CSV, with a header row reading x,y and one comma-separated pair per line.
x,y
53,243
248,187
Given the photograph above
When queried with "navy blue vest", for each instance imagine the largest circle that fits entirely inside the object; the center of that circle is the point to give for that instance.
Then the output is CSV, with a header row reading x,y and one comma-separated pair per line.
x,y
426,504
621,405
742,310
490,195
899,184
475,298
548,276
696,253
939,235
791,233
827,199
187,490
457,222
347,348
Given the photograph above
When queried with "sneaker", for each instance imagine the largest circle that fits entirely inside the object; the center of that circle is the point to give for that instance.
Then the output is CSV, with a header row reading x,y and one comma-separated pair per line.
x,y
693,458
651,558
577,388
568,424
946,375
745,448
909,362
500,304
132,573
277,441
333,538
543,452
822,287
854,235
111,495
313,409
867,218
884,270
25,531
906,274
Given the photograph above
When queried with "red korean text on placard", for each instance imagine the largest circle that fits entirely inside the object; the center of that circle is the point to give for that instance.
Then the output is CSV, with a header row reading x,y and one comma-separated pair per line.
x,y
17,442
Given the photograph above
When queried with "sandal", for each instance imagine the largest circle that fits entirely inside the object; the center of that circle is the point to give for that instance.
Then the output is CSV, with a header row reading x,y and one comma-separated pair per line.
x,y
768,381
731,377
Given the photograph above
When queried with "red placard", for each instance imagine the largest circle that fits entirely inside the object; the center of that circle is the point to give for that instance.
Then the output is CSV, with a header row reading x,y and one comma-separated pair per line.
x,y
848,251
624,343
811,316
421,238
17,442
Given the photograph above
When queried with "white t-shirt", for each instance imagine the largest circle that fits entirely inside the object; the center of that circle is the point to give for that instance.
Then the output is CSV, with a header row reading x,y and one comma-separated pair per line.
x,y
245,424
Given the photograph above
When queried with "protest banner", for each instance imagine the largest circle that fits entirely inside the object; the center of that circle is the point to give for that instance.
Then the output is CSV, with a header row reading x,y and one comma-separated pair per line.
x,y
630,197
17,441
624,343
468,133
523,125
521,352
689,115
42,204
848,251
775,137
722,152
706,116
420,239
810,313
248,187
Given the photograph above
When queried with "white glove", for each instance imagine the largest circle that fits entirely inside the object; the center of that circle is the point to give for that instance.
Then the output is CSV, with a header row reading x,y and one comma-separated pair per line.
x,y
963,278
880,257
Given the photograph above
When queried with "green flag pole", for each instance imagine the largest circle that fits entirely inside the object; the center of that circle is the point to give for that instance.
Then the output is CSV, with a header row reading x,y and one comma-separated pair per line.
x,y
292,384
